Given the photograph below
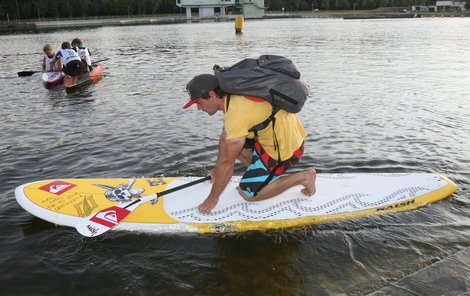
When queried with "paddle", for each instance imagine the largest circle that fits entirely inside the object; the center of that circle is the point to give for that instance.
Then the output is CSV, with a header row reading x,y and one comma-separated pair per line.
x,y
106,219
99,61
29,73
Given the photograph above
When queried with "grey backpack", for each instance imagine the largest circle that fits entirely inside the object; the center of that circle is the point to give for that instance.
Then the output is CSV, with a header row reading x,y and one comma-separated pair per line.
x,y
271,77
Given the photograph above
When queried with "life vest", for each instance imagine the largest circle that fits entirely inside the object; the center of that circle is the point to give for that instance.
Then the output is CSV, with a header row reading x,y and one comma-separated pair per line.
x,y
47,63
67,55
84,55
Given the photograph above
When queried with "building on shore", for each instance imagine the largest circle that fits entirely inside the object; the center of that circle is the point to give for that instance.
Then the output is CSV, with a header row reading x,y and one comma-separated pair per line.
x,y
440,6
252,7
450,5
211,8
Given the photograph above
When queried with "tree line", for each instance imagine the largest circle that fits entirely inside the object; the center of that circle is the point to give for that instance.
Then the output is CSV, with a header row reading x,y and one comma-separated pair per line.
x,y
303,5
42,9
34,9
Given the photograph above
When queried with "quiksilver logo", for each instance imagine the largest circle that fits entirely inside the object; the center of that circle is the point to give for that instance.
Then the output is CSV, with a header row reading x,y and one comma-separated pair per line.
x,y
110,216
57,187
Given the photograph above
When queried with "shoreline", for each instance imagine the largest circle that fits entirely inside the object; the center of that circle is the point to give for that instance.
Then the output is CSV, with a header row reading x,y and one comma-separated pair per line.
x,y
37,26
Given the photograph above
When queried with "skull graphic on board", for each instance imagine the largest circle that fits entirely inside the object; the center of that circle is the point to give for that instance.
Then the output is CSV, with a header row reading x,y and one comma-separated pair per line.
x,y
122,192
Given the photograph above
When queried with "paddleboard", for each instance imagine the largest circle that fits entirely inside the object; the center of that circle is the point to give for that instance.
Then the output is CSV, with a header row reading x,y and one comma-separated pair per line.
x,y
52,78
339,197
75,82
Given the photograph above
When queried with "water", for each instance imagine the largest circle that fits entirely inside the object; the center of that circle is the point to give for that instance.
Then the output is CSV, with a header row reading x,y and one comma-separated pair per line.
x,y
387,96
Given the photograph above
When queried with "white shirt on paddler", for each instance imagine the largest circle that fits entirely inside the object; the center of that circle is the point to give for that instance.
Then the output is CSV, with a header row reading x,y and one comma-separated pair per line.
x,y
67,55
47,61
84,54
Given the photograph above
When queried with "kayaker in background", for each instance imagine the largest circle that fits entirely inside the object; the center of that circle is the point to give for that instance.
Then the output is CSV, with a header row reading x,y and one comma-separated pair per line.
x,y
47,66
69,61
263,177
83,52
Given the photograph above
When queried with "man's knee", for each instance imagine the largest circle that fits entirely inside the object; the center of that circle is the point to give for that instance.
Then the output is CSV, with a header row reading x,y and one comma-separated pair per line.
x,y
244,195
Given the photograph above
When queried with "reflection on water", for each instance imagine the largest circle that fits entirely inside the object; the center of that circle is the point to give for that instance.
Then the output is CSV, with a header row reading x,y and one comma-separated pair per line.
x,y
384,98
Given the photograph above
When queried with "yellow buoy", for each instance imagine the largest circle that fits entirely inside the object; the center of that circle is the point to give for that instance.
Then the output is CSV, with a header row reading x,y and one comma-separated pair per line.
x,y
239,24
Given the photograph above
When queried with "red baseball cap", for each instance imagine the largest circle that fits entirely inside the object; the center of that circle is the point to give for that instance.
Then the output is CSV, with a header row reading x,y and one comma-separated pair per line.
x,y
199,87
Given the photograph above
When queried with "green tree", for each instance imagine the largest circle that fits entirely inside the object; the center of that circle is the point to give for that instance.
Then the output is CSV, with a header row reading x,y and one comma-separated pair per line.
x,y
33,9
53,10
368,4
324,5
344,4
334,4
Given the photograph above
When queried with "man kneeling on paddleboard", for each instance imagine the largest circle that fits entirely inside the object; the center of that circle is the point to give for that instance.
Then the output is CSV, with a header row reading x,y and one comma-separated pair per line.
x,y
267,152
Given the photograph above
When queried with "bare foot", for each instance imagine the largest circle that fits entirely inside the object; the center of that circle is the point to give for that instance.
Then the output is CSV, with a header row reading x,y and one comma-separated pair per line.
x,y
309,182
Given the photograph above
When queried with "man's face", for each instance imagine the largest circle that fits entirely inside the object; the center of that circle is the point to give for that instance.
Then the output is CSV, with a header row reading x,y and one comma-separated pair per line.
x,y
208,105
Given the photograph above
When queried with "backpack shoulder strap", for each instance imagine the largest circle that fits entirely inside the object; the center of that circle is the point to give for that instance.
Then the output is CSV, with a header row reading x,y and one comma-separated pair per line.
x,y
227,103
265,123
262,125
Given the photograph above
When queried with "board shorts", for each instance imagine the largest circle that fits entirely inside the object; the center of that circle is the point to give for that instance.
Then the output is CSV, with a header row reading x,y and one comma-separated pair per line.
x,y
75,67
263,169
